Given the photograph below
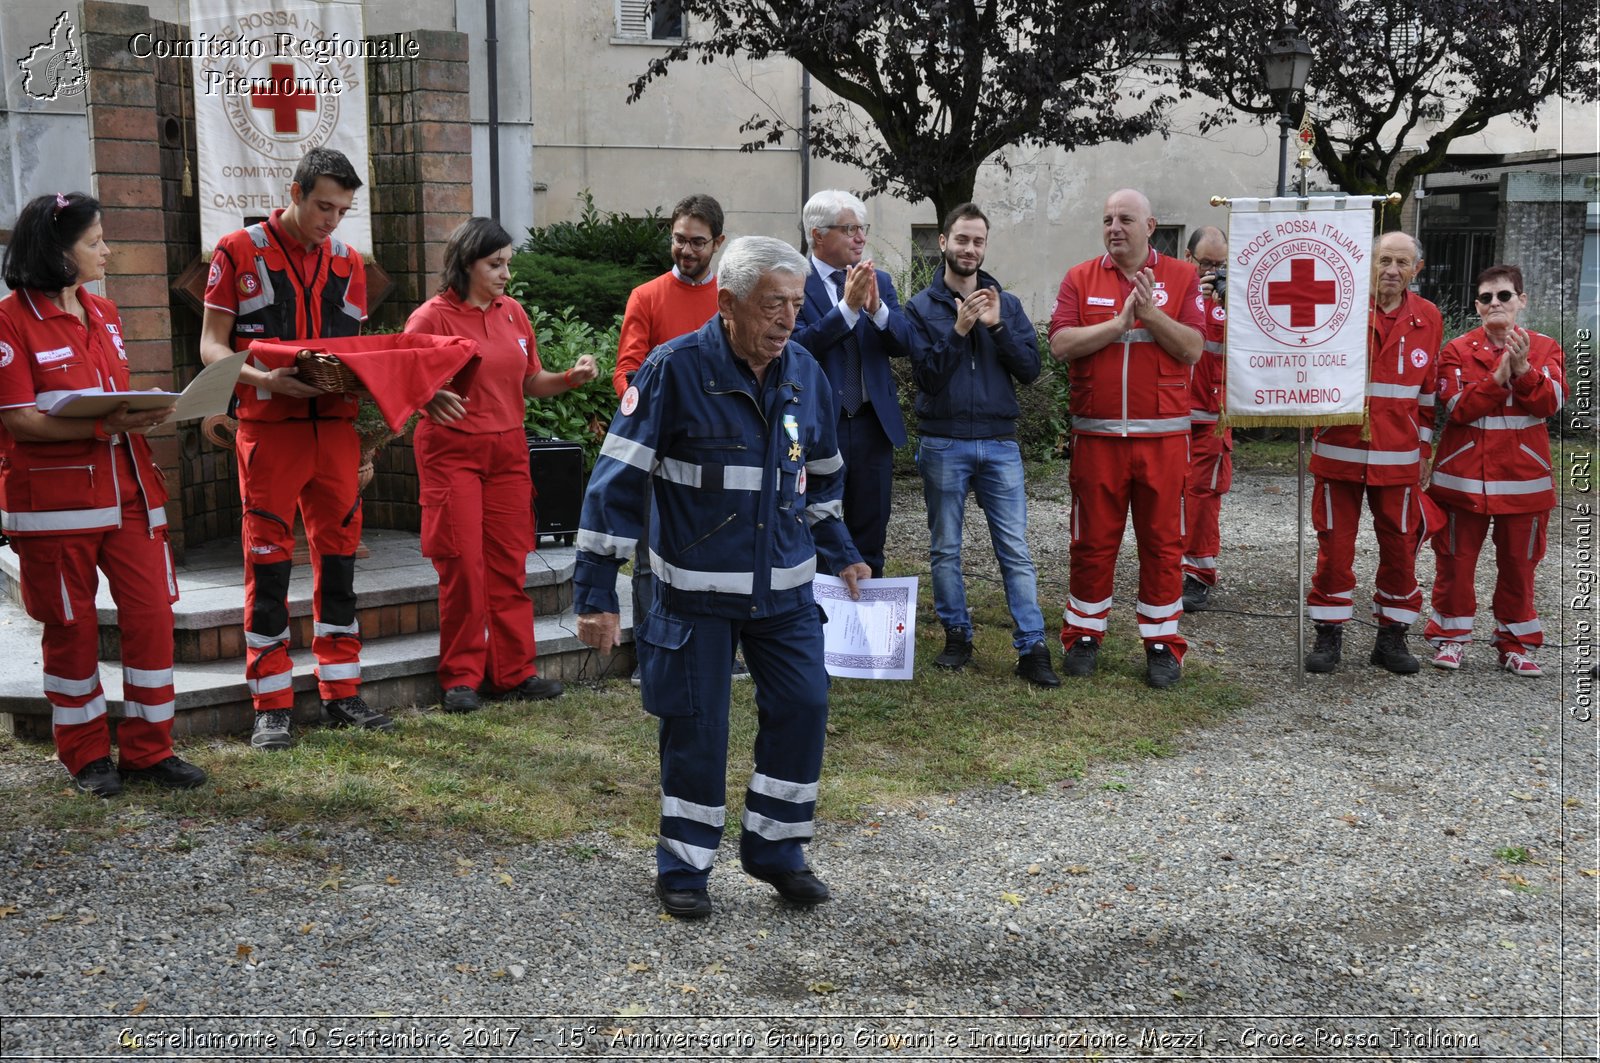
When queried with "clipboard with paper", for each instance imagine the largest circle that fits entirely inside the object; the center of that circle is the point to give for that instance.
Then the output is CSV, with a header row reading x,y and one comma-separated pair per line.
x,y
208,393
873,638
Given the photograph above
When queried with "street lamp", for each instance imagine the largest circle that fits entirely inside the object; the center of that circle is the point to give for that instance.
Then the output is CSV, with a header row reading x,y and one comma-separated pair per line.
x,y
1285,64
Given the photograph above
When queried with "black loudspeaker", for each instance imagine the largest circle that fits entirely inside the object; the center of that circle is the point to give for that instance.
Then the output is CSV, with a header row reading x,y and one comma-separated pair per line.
x,y
557,469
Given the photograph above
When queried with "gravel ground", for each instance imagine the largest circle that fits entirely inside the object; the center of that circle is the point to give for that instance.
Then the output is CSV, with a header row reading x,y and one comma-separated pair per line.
x,y
1316,877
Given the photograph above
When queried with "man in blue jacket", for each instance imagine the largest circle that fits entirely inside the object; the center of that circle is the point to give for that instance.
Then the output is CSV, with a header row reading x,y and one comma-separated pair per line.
x,y
971,345
852,324
732,427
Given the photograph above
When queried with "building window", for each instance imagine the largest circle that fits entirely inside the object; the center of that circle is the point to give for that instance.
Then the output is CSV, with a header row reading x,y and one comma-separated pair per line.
x,y
1168,240
654,20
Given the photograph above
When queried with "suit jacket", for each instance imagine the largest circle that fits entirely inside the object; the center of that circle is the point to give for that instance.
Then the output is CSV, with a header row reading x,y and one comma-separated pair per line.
x,y
822,331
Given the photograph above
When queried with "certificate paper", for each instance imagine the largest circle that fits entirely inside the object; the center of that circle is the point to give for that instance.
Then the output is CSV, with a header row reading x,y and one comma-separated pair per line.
x,y
874,638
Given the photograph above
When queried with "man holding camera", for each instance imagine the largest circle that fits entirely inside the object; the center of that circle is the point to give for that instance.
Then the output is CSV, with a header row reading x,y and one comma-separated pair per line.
x,y
1210,446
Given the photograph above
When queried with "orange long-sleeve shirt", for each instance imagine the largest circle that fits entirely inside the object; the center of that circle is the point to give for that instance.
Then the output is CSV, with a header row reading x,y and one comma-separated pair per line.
x,y
660,310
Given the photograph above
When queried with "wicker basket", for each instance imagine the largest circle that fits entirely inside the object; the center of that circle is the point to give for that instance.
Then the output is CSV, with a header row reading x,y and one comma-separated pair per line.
x,y
325,371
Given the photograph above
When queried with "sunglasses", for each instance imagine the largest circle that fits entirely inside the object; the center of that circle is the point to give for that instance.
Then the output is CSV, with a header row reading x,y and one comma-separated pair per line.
x,y
1485,298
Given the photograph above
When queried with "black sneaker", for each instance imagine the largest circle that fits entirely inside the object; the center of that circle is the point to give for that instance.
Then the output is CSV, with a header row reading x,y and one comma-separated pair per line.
x,y
1390,651
174,773
957,650
1324,656
353,711
461,699
1082,657
1034,666
533,688
1161,667
98,777
1196,594
272,730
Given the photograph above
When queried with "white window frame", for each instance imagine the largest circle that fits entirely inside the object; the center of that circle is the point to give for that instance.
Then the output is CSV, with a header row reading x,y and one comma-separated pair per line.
x,y
633,24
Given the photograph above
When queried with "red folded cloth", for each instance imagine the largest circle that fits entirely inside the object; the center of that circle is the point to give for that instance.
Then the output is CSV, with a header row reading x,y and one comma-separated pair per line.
x,y
401,370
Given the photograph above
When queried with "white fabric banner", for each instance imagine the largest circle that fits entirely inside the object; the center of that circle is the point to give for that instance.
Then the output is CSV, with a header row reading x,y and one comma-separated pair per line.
x,y
273,79
1299,288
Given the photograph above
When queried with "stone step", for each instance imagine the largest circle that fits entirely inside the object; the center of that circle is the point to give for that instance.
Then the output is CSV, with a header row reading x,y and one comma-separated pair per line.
x,y
397,593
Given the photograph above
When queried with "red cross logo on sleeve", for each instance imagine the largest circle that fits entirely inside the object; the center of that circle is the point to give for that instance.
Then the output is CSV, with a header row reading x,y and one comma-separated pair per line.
x,y
279,95
1302,293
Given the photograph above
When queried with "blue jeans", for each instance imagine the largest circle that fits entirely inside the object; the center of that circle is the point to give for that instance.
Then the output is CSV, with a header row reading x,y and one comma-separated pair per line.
x,y
991,470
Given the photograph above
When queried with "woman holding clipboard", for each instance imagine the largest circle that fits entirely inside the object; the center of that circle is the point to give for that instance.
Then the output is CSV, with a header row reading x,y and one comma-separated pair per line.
x,y
84,493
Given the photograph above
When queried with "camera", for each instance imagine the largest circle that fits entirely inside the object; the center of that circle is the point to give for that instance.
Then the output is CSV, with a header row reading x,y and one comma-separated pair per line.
x,y
1219,285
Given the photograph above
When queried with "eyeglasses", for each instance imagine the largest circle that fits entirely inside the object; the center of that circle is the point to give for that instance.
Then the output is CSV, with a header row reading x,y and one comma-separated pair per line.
x,y
1485,298
699,243
851,230
1208,265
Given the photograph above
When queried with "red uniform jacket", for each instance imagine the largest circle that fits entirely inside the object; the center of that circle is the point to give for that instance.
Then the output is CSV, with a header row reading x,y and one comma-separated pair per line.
x,y
69,485
1132,386
1401,381
1494,450
1206,383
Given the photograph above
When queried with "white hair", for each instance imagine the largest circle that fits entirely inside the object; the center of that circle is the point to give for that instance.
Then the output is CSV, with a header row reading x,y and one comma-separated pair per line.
x,y
824,208
750,258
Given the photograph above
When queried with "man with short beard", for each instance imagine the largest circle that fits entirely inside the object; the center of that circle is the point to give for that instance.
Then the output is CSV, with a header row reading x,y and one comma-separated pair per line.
x,y
971,345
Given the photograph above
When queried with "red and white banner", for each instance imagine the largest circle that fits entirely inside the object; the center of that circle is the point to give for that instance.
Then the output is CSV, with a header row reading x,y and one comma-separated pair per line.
x,y
273,79
1299,288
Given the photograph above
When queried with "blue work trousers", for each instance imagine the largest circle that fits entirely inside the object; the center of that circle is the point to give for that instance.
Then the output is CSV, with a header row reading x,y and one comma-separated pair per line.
x,y
991,471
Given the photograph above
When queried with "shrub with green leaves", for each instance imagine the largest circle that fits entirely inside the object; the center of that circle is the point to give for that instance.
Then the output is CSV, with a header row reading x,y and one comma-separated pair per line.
x,y
582,414
607,236
596,292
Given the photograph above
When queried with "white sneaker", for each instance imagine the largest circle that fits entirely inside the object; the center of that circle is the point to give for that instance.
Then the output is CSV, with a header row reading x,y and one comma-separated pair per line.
x,y
1520,664
1449,655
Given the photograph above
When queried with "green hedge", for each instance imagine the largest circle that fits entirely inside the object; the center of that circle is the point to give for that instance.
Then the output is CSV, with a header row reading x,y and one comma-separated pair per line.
x,y
595,292
607,236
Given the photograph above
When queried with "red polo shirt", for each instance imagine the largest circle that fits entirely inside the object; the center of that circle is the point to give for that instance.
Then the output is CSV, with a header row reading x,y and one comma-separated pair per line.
x,y
507,346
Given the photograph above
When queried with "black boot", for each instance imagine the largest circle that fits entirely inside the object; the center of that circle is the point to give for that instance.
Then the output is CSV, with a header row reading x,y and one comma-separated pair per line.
x,y
1324,656
957,649
1390,650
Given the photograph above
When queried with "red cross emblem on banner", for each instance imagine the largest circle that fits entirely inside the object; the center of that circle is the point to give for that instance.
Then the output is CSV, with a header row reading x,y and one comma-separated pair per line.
x,y
279,95
1302,293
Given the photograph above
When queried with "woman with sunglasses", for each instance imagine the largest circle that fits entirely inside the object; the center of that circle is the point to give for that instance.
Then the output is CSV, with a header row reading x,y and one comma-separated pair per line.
x,y
1498,385
79,494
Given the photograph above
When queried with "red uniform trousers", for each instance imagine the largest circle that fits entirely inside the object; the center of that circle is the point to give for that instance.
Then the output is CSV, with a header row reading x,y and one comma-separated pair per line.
x,y
1519,544
1210,477
1398,522
311,466
1111,476
477,527
58,589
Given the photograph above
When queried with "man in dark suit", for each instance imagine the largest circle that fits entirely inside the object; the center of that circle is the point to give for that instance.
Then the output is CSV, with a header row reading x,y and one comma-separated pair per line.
x,y
852,324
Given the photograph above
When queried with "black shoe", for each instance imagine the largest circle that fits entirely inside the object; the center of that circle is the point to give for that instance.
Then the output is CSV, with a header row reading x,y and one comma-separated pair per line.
x,y
461,699
1082,657
1034,666
353,711
98,777
1324,656
957,650
685,904
796,887
272,730
533,688
1161,667
1196,594
1390,651
174,773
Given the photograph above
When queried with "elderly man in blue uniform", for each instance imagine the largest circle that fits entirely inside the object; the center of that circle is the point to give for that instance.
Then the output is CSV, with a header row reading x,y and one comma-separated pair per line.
x,y
852,324
733,428
971,345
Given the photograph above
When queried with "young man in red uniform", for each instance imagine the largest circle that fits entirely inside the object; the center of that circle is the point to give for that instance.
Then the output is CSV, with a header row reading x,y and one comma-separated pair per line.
x,y
1130,323
674,304
1381,461
1210,450
290,278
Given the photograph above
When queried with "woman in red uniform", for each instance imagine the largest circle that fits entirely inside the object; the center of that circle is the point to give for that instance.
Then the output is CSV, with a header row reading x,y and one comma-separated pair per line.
x,y
1497,386
81,493
472,463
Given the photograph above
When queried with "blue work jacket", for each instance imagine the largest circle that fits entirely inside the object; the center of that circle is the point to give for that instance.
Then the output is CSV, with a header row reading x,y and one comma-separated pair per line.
x,y
747,481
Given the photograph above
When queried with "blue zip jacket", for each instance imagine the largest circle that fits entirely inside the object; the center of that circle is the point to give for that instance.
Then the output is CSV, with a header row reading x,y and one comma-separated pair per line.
x,y
967,385
747,483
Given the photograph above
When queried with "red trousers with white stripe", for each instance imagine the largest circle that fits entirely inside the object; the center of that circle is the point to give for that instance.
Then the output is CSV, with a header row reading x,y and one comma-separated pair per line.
x,y
1397,520
309,466
477,527
1110,478
1519,545
1210,477
59,581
